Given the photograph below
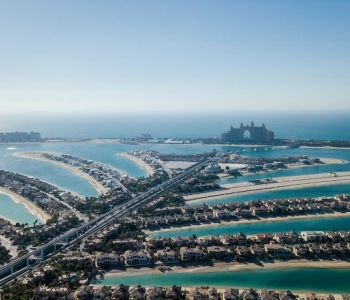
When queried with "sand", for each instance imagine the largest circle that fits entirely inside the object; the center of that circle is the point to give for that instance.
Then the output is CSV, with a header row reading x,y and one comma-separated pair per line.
x,y
324,161
283,183
227,266
38,155
8,245
139,162
249,221
42,215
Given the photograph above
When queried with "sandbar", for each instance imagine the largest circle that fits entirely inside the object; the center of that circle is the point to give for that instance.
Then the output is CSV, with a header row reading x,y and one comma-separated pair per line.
x,y
38,155
335,214
139,162
282,183
35,210
225,266
324,161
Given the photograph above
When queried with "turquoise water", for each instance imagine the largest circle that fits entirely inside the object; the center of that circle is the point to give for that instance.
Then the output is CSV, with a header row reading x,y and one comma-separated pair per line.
x,y
286,126
301,125
303,279
15,211
327,190
107,153
322,223
289,172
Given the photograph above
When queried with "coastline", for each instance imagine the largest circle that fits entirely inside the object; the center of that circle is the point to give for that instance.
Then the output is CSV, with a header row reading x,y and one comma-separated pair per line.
x,y
283,183
246,221
139,162
37,155
226,266
324,161
118,141
35,210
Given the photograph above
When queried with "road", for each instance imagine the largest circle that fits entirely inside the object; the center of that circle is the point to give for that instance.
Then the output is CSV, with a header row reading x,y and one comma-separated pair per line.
x,y
89,228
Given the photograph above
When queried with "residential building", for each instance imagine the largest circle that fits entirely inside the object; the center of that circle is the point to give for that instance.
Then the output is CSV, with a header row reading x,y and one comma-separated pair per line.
x,y
135,257
277,250
137,293
120,292
154,293
314,236
187,253
173,293
111,259
231,294
217,251
100,292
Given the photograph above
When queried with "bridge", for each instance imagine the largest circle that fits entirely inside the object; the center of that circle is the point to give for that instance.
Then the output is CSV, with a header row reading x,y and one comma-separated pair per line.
x,y
23,264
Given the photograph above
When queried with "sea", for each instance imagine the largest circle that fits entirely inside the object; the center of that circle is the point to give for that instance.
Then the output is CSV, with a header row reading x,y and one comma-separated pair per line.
x,y
293,125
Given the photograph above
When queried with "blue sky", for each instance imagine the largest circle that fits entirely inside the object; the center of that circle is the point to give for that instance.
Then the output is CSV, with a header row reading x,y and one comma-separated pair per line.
x,y
98,56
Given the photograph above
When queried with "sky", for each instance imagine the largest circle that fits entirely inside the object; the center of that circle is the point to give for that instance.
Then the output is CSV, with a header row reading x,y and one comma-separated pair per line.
x,y
194,56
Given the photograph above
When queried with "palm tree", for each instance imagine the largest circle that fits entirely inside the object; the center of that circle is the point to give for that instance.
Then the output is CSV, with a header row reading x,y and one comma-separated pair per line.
x,y
34,224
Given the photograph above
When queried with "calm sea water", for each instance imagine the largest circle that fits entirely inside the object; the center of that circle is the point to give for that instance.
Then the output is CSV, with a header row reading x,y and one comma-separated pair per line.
x,y
303,279
302,126
327,190
322,223
15,211
307,125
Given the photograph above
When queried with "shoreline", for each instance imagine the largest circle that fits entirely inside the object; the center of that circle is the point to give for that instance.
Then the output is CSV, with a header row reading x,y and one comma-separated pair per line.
x,y
37,155
246,221
33,209
139,162
118,141
283,183
226,266
324,161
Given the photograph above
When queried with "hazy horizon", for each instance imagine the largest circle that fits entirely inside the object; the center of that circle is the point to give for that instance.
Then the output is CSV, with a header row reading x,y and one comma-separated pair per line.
x,y
154,56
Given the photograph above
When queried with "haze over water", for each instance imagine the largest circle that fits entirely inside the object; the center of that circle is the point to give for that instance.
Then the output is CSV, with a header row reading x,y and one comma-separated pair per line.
x,y
301,125
189,126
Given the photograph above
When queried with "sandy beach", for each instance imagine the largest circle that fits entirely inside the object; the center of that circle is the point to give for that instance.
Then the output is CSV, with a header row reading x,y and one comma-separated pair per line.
x,y
250,221
42,215
227,266
324,161
282,183
38,155
139,162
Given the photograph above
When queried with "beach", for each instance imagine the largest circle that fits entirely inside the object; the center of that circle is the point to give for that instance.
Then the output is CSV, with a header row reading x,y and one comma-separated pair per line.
x,y
226,266
246,221
139,162
35,210
38,155
280,183
324,161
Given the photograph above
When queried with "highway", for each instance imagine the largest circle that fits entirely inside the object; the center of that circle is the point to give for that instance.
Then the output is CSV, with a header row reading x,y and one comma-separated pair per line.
x,y
89,228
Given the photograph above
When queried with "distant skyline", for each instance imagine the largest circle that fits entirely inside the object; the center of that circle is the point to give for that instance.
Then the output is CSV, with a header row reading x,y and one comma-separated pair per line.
x,y
152,56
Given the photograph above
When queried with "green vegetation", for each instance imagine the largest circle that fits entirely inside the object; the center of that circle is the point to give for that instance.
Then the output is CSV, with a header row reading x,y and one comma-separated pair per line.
x,y
169,199
142,184
4,254
198,184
